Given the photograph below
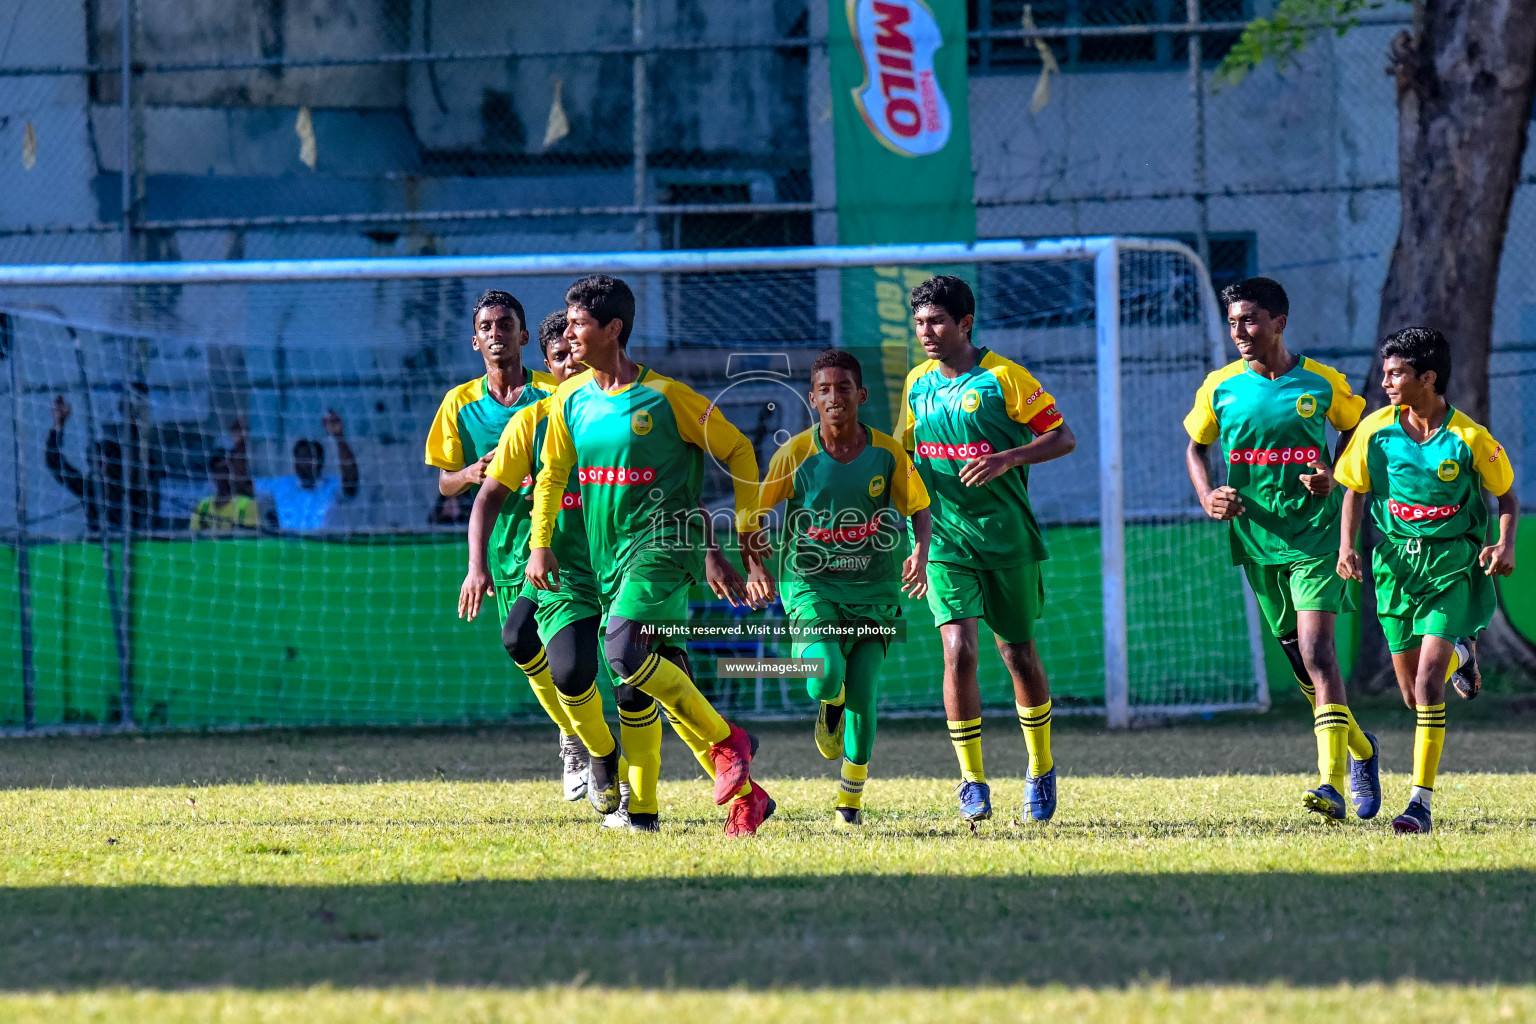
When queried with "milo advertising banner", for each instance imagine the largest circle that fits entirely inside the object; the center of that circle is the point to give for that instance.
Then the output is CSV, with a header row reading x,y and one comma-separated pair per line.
x,y
903,153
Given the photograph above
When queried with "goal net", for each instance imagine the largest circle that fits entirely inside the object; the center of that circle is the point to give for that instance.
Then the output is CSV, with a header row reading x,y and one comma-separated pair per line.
x,y
134,395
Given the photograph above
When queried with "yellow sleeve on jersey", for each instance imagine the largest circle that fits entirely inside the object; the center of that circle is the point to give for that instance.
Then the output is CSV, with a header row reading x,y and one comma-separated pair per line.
x,y
1490,458
1026,399
1352,469
908,494
559,456
1200,422
779,483
906,428
704,426
1345,408
513,458
444,449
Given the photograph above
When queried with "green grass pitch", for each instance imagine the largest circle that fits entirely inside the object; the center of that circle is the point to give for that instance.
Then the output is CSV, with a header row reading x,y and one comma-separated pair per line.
x,y
437,876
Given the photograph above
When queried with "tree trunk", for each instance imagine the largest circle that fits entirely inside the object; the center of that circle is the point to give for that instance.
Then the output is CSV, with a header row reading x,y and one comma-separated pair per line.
x,y
1465,78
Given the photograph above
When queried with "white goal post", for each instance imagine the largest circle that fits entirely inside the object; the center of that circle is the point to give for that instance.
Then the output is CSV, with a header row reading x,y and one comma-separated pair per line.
x,y
1128,301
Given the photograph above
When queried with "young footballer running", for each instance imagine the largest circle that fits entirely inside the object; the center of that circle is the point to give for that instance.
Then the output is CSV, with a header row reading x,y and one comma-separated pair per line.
x,y
462,440
844,486
635,440
1422,461
977,422
1271,410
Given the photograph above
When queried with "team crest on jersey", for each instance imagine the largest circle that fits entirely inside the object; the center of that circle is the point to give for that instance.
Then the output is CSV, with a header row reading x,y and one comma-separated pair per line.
x,y
971,400
1306,405
1449,470
640,422
876,486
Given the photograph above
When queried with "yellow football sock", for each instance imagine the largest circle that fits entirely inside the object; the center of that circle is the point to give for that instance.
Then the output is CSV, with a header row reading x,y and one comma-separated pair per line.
x,y
640,732
1359,745
696,746
966,736
1428,740
842,695
586,715
850,791
1331,724
671,686
1036,723
543,686
1455,664
1307,688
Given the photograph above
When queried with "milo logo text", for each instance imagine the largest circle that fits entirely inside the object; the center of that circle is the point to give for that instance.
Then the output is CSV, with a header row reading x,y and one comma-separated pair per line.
x,y
900,101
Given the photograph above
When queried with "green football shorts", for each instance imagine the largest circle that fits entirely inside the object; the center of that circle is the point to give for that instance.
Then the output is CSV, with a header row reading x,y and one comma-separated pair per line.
x,y
575,600
804,609
654,587
507,595
1305,585
1430,588
1008,600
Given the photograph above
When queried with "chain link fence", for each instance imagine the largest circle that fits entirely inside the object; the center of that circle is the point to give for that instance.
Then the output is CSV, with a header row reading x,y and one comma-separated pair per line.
x,y
314,128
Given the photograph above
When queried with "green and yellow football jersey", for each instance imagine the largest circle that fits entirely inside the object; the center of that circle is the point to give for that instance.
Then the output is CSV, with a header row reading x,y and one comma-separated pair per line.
x,y
946,422
637,454
843,541
469,423
516,465
1269,431
1426,490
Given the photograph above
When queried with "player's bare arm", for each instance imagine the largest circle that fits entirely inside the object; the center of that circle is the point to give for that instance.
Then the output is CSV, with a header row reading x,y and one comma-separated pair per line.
x,y
1320,482
914,570
724,581
477,581
1350,566
1053,444
1498,559
755,551
457,481
1220,503
543,569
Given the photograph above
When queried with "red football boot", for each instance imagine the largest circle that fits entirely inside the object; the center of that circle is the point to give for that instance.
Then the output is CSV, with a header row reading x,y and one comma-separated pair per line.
x,y
733,758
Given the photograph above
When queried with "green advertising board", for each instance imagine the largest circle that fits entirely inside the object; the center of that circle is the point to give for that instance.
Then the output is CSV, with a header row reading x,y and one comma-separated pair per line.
x,y
903,152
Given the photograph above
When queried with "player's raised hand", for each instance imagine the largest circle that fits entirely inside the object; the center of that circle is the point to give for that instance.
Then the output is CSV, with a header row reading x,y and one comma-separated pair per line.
x,y
914,574
1222,503
543,569
1497,559
1319,483
1349,566
723,579
476,588
61,411
984,468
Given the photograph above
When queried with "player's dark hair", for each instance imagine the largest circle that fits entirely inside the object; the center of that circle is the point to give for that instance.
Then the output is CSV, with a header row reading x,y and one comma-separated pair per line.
x,y
493,297
1264,292
315,448
1424,349
606,298
550,328
838,359
951,294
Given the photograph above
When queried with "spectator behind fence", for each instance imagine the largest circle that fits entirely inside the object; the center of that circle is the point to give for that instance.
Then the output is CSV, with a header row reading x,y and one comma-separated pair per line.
x,y
450,510
227,511
101,491
305,500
